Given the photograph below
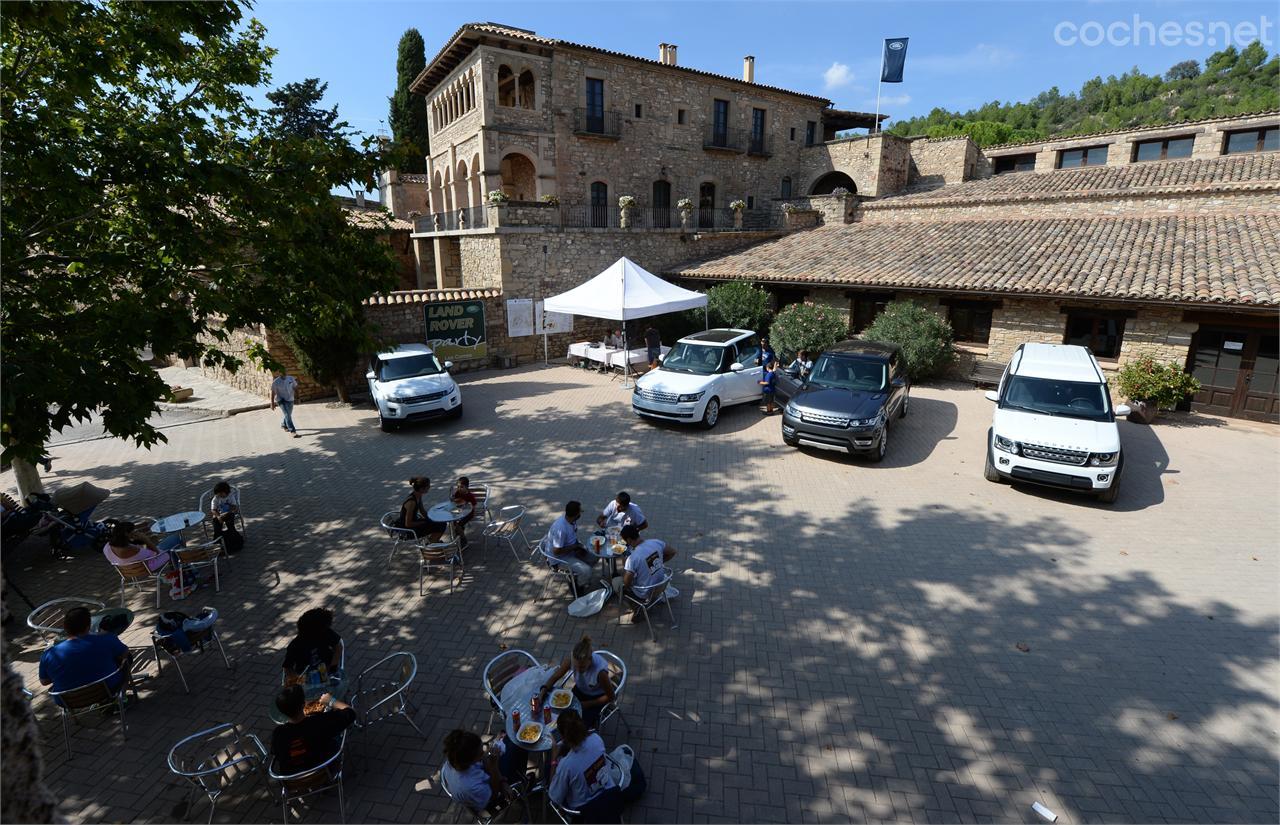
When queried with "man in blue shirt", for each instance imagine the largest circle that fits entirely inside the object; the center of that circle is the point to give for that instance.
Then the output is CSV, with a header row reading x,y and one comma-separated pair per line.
x,y
568,550
83,657
767,355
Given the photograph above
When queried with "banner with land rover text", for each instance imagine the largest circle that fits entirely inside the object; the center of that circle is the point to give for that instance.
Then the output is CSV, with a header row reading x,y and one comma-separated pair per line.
x,y
455,330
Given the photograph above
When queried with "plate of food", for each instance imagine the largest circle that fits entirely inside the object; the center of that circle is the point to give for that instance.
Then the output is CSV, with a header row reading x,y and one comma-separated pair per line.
x,y
561,699
530,733
618,549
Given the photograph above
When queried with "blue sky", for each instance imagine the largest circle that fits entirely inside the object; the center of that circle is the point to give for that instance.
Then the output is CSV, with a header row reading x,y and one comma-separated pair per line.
x,y
961,54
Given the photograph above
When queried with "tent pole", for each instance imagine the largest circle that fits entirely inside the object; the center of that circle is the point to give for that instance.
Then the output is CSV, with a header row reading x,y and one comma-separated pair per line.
x,y
706,324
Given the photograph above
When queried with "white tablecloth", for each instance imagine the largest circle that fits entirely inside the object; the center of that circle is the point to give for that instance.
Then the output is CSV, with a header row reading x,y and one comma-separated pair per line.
x,y
637,357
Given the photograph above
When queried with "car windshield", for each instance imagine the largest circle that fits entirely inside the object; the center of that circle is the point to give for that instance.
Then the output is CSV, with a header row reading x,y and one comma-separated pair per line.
x,y
698,359
393,369
849,374
1049,396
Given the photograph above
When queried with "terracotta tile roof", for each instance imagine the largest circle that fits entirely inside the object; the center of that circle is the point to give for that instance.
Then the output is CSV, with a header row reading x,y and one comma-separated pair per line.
x,y
1257,170
1128,129
421,86
1185,259
373,218
432,296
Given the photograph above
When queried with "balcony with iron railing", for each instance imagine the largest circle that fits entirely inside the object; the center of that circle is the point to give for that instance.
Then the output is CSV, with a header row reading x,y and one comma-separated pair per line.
x,y
724,139
597,123
591,216
759,145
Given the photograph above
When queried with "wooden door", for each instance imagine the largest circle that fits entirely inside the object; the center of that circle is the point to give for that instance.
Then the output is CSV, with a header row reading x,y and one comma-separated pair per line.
x,y
1239,372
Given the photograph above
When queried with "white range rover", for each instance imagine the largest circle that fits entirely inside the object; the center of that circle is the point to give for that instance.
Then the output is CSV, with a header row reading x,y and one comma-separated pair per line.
x,y
701,374
1054,423
410,384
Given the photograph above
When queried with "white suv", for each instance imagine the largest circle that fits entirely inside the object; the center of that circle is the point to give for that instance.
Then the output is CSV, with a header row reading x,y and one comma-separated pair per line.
x,y
701,374
410,384
1054,423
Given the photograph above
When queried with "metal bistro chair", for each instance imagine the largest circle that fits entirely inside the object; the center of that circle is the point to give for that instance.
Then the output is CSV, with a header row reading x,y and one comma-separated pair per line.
x,y
440,554
380,691
93,697
202,554
657,593
505,526
484,500
618,675
322,777
556,567
498,674
206,504
198,640
137,574
485,817
400,536
47,618
216,760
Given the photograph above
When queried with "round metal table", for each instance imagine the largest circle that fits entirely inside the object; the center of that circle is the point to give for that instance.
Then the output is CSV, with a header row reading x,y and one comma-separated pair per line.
x,y
446,512
177,522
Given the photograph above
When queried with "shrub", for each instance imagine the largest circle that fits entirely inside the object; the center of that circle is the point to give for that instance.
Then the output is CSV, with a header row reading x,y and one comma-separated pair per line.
x,y
812,327
551,200
739,305
924,336
497,196
1163,384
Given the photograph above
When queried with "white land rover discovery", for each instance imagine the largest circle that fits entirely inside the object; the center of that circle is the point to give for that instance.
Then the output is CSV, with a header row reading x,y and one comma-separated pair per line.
x,y
1054,422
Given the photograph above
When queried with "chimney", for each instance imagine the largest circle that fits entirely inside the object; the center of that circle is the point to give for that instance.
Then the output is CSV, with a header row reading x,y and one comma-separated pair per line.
x,y
671,54
359,200
749,69
662,53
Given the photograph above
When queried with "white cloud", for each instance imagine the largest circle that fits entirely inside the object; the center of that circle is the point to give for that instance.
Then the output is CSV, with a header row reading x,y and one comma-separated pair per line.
x,y
837,76
895,100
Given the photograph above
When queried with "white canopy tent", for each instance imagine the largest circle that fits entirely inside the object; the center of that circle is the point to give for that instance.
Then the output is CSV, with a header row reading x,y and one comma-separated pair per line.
x,y
623,292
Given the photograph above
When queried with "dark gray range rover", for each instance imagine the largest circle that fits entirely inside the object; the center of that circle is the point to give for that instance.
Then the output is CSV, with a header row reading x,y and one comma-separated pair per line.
x,y
846,403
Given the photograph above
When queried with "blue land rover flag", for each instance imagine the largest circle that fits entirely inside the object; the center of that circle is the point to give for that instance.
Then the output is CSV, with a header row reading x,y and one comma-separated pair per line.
x,y
895,57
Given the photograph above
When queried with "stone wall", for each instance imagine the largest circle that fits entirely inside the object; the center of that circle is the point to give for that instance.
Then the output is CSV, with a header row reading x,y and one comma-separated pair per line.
x,y
878,164
942,162
828,208
248,377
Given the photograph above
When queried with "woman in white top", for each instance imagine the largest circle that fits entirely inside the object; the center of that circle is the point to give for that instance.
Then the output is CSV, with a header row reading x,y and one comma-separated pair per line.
x,y
477,777
585,779
592,683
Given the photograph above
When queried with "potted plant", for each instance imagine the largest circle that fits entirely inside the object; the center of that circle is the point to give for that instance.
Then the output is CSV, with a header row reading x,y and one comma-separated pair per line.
x,y
1150,386
840,192
737,207
625,204
497,197
685,207
551,200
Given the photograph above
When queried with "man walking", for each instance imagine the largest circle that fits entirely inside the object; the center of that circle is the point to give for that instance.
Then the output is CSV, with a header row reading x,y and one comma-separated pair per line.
x,y
283,390
653,341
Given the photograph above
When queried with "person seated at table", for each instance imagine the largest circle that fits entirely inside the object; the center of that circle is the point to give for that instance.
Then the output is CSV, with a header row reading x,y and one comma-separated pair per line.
x,y
83,657
585,779
592,683
306,741
568,550
802,365
315,645
125,545
479,777
614,341
223,508
413,514
620,512
462,495
644,567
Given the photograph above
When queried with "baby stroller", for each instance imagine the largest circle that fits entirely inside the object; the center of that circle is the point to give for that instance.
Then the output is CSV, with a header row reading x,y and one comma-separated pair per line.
x,y
66,518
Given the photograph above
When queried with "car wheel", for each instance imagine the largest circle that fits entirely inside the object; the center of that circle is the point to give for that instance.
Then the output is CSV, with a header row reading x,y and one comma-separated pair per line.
x,y
1109,495
989,470
791,442
711,414
906,401
455,413
883,447
387,424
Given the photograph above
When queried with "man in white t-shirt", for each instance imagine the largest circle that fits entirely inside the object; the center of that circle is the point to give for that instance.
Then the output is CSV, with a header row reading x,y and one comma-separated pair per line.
x,y
620,512
645,565
283,391
564,544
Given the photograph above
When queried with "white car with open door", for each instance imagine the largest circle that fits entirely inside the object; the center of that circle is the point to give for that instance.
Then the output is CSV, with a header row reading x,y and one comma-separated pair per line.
x,y
702,374
410,384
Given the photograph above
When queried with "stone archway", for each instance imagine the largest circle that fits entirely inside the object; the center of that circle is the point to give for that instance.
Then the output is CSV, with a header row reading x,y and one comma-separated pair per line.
x,y
461,191
437,193
519,177
477,185
832,181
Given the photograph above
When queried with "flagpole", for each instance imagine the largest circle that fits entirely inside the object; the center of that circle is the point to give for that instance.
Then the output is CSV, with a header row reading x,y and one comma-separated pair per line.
x,y
875,127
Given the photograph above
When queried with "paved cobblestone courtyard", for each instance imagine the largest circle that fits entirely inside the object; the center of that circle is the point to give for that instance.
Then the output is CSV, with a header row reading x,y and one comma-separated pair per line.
x,y
848,640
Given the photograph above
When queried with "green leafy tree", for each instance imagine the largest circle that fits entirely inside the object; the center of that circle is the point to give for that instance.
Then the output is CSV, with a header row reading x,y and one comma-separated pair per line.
x,y
738,305
408,117
343,264
812,327
147,204
925,337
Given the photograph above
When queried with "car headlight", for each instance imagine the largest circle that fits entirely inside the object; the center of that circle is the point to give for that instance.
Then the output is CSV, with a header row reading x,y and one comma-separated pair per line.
x,y
691,397
791,410
396,399
1006,444
867,422
1104,459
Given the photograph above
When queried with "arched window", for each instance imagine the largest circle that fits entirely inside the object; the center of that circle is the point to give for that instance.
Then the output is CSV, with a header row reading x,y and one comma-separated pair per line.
x,y
526,89
786,187
599,204
661,204
506,86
